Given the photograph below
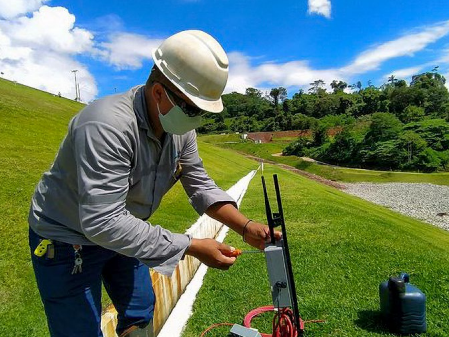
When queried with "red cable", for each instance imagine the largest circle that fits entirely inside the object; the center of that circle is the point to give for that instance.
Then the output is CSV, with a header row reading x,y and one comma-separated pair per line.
x,y
213,327
282,322
284,326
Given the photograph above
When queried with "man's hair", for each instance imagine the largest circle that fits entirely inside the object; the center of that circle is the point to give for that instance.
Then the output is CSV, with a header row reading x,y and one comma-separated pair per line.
x,y
155,76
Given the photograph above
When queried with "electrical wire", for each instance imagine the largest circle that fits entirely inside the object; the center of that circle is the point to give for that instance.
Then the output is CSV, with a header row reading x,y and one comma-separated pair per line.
x,y
213,327
283,325
282,321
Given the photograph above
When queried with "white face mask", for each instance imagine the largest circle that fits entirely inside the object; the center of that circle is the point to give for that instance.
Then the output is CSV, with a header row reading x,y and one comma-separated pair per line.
x,y
176,121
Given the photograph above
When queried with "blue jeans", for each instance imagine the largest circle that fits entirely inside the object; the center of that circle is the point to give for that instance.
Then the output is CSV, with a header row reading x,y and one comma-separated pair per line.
x,y
73,302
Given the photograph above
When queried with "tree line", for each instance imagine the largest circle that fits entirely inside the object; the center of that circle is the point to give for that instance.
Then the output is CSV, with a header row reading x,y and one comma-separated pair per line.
x,y
394,126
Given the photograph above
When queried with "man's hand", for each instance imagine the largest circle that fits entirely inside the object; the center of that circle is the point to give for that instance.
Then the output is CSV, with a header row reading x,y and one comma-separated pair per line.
x,y
209,252
257,234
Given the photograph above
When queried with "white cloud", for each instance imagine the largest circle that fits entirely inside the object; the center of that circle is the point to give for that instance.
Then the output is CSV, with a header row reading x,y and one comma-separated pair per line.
x,y
39,51
11,8
49,28
240,73
300,74
406,45
128,51
320,7
405,73
291,74
444,59
51,72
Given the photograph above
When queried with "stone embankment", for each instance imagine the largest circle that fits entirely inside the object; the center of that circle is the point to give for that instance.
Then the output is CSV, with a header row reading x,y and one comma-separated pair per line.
x,y
427,202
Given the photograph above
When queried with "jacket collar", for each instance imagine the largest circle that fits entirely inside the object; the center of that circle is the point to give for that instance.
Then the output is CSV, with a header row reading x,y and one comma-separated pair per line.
x,y
140,109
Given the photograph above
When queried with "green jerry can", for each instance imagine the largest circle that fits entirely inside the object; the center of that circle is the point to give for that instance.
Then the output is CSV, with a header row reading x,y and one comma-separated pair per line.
x,y
403,306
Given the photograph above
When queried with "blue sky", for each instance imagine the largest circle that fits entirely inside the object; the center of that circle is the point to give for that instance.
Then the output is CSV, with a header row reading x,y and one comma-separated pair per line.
x,y
269,43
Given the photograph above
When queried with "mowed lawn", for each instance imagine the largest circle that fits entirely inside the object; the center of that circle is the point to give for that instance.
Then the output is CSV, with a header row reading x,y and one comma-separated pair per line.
x,y
32,125
342,248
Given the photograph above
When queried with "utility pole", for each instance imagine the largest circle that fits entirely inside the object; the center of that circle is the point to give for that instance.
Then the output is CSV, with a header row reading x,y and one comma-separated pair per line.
x,y
76,86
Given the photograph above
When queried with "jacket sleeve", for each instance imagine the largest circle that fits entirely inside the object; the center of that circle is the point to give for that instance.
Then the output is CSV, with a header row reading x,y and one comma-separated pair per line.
x,y
103,156
201,189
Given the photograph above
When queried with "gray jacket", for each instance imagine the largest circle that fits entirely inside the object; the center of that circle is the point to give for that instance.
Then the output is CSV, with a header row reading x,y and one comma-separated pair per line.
x,y
110,175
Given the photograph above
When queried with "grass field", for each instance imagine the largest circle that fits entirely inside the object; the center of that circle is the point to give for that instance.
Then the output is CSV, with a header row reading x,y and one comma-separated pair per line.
x,y
342,249
351,175
32,125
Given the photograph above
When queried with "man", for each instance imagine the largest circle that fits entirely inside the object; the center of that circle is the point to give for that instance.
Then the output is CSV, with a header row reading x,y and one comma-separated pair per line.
x,y
120,156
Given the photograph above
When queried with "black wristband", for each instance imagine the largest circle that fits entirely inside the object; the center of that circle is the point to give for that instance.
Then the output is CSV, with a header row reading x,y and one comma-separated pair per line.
x,y
244,228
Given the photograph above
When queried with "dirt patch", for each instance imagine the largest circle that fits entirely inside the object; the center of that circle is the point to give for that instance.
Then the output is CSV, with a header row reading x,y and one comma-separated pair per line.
x,y
266,137
300,172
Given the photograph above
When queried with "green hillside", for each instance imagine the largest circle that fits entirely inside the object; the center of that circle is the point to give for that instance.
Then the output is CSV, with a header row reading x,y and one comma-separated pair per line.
x,y
342,247
32,125
334,173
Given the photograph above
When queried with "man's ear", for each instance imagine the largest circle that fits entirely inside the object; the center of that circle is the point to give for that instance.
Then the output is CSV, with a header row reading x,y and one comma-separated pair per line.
x,y
157,91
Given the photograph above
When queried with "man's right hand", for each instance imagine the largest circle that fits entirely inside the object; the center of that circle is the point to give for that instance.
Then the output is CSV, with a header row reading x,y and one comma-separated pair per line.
x,y
209,252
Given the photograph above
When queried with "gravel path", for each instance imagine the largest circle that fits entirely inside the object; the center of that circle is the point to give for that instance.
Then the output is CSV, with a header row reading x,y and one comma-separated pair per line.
x,y
427,202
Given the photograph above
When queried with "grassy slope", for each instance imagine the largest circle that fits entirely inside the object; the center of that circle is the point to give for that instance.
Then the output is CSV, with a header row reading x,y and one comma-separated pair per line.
x,y
266,151
32,125
342,247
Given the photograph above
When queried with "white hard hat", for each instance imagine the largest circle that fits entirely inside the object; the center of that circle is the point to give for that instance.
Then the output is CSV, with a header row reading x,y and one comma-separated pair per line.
x,y
197,65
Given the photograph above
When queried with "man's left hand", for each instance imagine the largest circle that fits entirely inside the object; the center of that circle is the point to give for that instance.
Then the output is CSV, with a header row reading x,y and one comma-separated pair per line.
x,y
257,234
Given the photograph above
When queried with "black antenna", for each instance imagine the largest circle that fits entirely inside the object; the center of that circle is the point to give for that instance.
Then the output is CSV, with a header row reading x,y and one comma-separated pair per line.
x,y
291,280
270,220
274,220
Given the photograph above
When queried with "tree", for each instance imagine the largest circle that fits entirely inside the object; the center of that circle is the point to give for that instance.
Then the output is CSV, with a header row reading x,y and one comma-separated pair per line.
x,y
303,122
402,97
371,98
235,104
244,124
271,124
253,93
384,155
428,160
432,86
414,144
434,131
326,105
319,135
428,80
297,148
383,127
317,87
344,149
392,79
412,113
278,94
338,86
